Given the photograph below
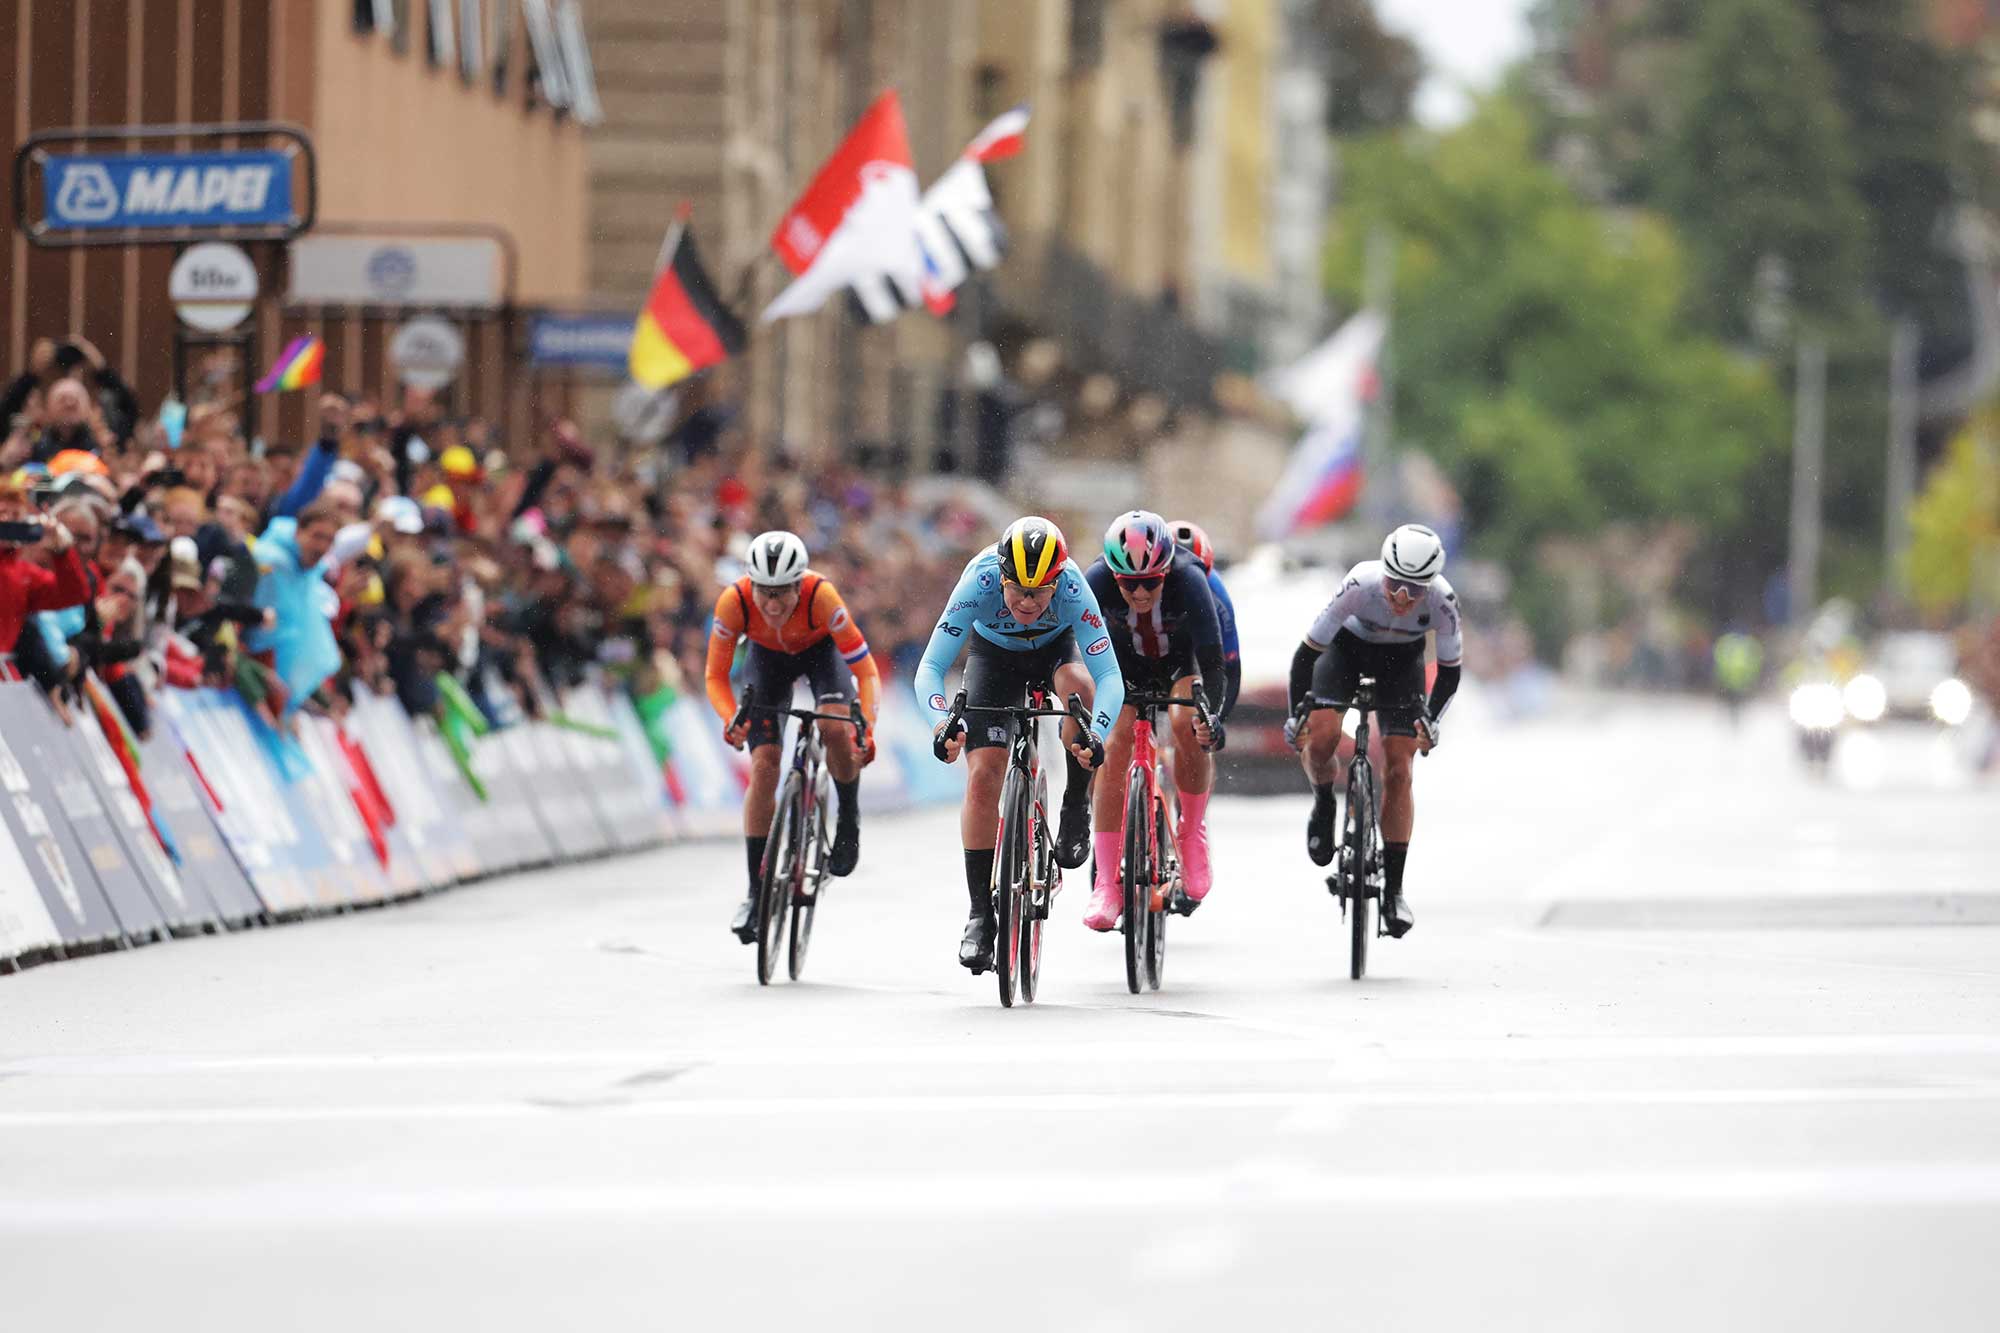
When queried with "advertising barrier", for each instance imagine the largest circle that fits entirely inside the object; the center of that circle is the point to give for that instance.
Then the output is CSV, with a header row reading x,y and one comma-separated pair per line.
x,y
218,820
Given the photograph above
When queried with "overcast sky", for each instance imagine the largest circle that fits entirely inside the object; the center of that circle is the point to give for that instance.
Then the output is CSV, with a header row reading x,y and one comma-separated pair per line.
x,y
1467,42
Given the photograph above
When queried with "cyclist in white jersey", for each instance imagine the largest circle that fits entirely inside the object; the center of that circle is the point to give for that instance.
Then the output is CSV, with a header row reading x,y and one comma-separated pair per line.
x,y
1376,626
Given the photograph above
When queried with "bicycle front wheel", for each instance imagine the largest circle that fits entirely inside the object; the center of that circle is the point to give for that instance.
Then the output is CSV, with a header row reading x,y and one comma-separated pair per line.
x,y
1137,880
781,861
1010,877
807,905
1357,855
1034,900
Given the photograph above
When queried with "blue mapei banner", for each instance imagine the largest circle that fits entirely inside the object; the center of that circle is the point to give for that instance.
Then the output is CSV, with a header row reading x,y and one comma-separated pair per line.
x,y
598,341
124,191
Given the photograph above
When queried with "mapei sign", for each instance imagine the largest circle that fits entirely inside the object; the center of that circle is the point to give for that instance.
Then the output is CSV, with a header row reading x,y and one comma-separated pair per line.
x,y
180,191
164,184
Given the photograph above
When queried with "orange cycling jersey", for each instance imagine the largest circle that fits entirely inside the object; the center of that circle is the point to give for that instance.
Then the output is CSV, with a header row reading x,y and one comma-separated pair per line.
x,y
819,614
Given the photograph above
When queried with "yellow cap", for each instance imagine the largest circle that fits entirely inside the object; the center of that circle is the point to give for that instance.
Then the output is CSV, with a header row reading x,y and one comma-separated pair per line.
x,y
458,461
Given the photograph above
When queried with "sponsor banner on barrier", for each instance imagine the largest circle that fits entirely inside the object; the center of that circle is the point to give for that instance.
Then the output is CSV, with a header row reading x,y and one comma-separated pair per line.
x,y
25,924
70,892
185,905
327,800
483,824
713,776
43,742
431,811
205,856
632,790
258,827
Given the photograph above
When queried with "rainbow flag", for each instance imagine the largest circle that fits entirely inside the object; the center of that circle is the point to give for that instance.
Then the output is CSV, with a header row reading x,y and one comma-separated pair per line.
x,y
296,367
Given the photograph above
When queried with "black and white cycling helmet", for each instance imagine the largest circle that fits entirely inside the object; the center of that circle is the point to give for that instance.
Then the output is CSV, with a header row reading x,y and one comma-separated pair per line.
x,y
1413,553
777,559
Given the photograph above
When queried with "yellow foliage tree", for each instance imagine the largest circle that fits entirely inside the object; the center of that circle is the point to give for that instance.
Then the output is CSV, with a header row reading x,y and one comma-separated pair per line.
x,y
1955,523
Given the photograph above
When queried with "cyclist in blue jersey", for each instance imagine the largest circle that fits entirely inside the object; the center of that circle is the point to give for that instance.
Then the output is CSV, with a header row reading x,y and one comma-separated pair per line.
x,y
1164,629
1189,536
1024,614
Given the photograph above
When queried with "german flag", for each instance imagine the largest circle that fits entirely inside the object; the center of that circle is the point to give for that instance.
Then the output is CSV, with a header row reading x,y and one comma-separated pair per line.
x,y
685,327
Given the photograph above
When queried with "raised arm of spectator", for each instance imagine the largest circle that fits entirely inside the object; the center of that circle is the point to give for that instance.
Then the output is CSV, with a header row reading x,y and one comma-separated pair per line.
x,y
318,464
14,400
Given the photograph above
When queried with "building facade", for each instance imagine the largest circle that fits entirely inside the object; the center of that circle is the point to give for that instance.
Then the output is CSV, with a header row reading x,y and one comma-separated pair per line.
x,y
425,120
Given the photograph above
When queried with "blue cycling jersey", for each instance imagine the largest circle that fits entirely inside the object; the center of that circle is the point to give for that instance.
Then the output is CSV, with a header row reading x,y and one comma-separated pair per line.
x,y
977,607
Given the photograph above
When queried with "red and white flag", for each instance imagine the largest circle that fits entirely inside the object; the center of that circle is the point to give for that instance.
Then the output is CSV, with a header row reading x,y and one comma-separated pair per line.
x,y
1003,138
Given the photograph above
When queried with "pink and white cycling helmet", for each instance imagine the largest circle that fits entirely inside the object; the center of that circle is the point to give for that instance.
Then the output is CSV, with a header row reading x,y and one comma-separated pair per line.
x,y
1138,546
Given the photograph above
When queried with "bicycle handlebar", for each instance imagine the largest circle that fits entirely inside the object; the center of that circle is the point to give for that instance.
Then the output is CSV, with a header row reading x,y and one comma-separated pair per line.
x,y
852,716
1199,703
954,723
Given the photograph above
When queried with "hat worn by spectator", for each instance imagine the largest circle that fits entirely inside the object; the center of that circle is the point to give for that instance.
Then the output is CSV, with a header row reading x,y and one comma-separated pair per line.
x,y
460,463
77,460
403,513
141,528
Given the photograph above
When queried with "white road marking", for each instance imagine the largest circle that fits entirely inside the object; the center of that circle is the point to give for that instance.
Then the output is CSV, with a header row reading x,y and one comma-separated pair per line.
x,y
1046,1103
971,1053
1261,1186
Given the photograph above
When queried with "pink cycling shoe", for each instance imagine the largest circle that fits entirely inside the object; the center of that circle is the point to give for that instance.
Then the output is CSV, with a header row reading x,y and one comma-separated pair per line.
x,y
1107,898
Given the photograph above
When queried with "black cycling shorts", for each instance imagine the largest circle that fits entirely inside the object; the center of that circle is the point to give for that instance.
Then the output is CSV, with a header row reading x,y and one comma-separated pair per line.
x,y
997,677
1155,675
1396,668
772,675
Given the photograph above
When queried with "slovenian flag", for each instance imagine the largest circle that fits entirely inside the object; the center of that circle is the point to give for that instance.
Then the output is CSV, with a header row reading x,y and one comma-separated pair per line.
x,y
684,326
296,367
1331,387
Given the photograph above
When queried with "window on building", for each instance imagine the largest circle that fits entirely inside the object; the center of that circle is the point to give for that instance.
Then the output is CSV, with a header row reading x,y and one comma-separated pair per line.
x,y
546,83
1086,35
471,40
501,30
580,74
441,40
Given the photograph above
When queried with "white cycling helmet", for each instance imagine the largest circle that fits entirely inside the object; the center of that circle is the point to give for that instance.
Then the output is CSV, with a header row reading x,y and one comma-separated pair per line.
x,y
1413,553
777,559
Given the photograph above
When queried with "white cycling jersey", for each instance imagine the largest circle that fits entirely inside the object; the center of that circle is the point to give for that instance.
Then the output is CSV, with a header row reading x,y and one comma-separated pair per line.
x,y
1361,607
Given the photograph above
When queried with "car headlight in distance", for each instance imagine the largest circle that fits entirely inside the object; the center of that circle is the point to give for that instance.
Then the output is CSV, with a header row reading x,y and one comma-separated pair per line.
x,y
1951,701
1865,699
1816,706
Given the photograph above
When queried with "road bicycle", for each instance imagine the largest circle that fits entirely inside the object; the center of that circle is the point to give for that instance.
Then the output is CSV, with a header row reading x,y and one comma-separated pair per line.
x,y
1150,871
1026,877
795,855
1358,872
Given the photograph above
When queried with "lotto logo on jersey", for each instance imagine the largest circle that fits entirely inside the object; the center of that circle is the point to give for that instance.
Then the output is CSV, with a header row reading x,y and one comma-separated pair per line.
x,y
937,701
1097,647
1092,619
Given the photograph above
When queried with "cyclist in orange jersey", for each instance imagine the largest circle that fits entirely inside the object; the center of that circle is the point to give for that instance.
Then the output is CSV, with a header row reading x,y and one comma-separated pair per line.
x,y
797,626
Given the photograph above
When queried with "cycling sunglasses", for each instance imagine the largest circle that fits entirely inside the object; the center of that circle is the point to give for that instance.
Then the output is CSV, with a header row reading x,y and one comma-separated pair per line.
x,y
1023,590
1143,582
1402,588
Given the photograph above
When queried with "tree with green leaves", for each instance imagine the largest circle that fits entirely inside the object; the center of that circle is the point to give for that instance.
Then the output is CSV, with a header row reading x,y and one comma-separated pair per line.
x,y
1542,352
1372,74
1761,169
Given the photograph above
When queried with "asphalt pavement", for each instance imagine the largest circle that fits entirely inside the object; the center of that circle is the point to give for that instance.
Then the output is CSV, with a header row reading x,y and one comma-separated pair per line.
x,y
1683,1039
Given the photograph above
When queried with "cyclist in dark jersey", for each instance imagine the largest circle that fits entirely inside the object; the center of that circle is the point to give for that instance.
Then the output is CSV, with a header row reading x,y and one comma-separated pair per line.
x,y
1189,537
1161,618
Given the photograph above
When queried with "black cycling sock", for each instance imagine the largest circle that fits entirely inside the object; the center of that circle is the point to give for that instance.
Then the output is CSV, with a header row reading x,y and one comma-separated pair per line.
x,y
1394,854
1322,791
979,879
755,848
1078,785
850,796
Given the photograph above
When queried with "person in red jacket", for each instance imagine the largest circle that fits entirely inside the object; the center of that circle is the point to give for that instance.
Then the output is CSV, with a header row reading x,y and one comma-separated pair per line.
x,y
25,587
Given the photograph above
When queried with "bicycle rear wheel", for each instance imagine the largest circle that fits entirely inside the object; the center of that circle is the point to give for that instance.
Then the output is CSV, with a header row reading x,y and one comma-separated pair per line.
x,y
1010,868
1358,853
1034,901
1156,922
781,859
1137,880
807,905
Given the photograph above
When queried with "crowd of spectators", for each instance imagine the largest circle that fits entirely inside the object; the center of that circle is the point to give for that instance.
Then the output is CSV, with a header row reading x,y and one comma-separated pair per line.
x,y
165,549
